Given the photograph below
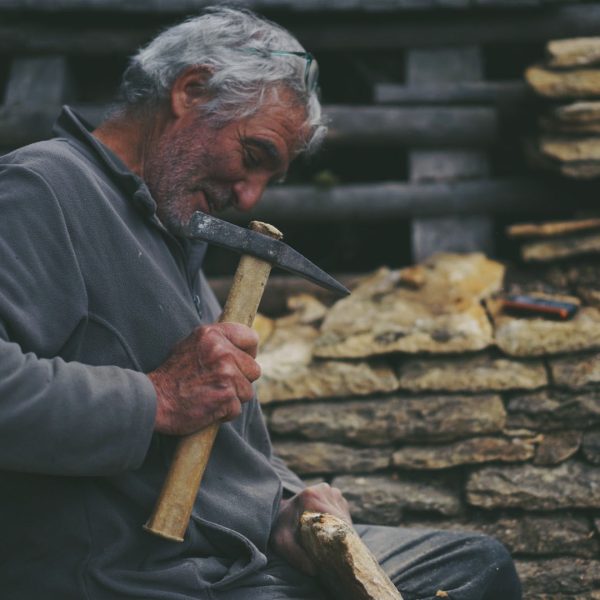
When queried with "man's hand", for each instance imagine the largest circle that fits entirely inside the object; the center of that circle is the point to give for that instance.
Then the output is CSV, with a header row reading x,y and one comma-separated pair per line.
x,y
206,379
285,534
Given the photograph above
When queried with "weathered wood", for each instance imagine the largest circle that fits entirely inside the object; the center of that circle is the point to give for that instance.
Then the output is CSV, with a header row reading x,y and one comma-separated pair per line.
x,y
360,125
447,233
345,564
449,93
170,6
417,127
37,81
392,200
387,31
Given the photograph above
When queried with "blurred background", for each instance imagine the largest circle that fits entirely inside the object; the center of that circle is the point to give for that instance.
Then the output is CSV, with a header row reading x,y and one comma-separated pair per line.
x,y
429,110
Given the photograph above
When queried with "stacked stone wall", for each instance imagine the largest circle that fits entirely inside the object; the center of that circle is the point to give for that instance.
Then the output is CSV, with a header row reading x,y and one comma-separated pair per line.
x,y
429,405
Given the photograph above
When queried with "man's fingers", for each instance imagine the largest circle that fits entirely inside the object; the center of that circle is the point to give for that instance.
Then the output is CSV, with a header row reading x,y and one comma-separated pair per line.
x,y
242,337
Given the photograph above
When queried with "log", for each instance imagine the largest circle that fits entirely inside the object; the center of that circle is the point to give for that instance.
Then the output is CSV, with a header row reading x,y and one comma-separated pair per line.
x,y
346,565
448,93
395,200
379,31
350,125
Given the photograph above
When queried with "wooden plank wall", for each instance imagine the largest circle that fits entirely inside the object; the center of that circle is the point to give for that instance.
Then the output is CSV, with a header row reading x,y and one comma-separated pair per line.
x,y
438,116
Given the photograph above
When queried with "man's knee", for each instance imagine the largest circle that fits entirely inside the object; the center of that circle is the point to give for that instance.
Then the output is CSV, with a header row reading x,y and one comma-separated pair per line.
x,y
498,576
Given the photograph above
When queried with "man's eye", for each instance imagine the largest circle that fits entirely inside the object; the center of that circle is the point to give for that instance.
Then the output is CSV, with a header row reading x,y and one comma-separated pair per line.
x,y
251,159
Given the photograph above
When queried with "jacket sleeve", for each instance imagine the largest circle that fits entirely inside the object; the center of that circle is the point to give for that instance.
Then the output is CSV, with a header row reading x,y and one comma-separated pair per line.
x,y
56,417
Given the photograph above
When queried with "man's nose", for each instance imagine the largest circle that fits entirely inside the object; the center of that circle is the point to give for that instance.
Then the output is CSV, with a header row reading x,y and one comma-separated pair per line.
x,y
249,191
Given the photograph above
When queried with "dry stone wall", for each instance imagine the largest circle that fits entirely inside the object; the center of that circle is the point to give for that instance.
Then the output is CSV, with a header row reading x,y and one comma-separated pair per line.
x,y
428,404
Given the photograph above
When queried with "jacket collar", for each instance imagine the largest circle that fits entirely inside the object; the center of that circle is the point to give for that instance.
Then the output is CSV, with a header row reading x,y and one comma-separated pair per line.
x,y
78,131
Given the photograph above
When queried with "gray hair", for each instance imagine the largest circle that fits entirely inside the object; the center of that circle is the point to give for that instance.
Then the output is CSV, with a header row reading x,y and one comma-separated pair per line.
x,y
235,45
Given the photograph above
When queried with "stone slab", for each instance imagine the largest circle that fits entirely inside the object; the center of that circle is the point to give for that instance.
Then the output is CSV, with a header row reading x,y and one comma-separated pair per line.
x,y
591,446
574,83
569,485
473,374
386,420
573,52
551,410
569,576
465,452
309,458
551,228
562,247
537,336
433,307
578,112
554,448
290,373
553,534
383,500
576,371
570,149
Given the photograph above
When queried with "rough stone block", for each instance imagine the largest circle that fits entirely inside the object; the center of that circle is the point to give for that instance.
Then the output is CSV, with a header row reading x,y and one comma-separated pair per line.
x,y
382,500
591,446
570,485
384,421
308,458
544,579
433,307
473,374
551,410
289,372
471,451
574,52
574,83
554,448
577,371
536,336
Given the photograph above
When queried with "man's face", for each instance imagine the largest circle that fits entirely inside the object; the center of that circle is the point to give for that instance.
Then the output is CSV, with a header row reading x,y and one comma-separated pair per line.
x,y
193,166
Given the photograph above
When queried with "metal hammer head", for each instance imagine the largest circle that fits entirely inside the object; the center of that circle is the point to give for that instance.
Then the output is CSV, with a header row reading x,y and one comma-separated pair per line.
x,y
244,241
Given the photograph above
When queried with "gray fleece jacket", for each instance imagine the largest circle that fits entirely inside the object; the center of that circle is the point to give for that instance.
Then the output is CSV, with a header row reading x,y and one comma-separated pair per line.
x,y
94,292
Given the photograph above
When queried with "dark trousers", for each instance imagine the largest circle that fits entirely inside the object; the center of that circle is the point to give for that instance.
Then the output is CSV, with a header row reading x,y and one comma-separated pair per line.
x,y
420,562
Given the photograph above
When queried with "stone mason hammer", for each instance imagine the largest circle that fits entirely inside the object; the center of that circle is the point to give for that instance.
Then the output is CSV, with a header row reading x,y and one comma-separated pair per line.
x,y
261,249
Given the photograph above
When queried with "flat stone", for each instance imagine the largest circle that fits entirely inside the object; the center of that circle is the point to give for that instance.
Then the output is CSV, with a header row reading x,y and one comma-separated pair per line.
x,y
591,446
551,228
473,374
382,500
554,448
561,247
433,307
537,336
383,421
289,371
569,485
574,83
576,372
550,410
578,112
573,52
565,149
582,169
465,452
308,458
543,578
553,534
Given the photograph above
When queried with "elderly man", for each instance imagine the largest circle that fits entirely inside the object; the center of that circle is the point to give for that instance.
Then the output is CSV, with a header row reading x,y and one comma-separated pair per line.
x,y
109,348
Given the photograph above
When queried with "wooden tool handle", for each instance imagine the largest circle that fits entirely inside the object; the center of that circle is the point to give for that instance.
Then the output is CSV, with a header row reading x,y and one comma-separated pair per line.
x,y
174,506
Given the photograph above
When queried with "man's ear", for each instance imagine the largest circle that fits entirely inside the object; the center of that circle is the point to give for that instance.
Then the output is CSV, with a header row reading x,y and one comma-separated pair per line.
x,y
189,89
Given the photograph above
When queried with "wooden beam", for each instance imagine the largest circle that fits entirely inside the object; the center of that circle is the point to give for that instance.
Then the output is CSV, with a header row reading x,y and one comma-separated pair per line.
x,y
188,6
397,200
359,125
463,93
376,31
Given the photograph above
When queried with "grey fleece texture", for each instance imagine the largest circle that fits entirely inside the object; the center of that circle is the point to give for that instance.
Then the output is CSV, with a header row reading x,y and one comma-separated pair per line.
x,y
94,292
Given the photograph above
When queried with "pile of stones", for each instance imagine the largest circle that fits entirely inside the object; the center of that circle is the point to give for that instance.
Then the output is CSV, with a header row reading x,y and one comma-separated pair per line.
x,y
430,405
570,79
